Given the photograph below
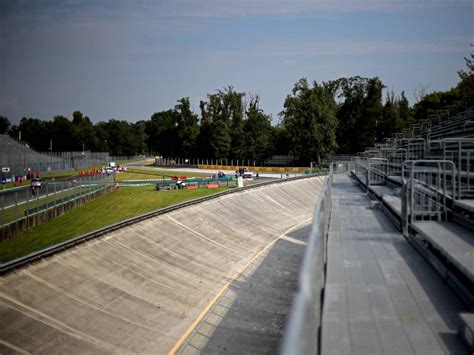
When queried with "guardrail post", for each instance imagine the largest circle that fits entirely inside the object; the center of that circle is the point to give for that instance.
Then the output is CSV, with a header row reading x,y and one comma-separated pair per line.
x,y
2,215
16,205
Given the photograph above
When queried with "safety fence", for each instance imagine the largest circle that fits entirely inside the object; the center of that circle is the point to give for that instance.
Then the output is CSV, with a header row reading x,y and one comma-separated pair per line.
x,y
22,161
18,160
303,330
23,208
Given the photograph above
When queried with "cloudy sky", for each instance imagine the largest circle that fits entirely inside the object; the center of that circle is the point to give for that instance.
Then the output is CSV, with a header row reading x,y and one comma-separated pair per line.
x,y
129,59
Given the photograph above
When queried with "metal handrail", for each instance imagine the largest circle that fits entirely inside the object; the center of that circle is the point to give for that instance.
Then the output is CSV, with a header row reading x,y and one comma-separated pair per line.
x,y
303,331
432,193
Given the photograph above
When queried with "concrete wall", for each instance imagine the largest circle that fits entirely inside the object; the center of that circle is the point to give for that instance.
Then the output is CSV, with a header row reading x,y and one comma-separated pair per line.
x,y
139,288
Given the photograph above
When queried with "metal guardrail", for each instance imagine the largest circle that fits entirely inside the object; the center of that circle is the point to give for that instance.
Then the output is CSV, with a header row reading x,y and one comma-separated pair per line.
x,y
377,171
303,331
17,204
14,264
426,191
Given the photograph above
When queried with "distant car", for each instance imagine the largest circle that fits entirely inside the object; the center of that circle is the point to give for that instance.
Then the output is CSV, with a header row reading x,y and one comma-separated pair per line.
x,y
220,174
109,170
180,184
36,182
244,172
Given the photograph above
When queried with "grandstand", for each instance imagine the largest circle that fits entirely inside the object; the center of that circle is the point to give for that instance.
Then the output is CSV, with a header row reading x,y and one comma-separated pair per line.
x,y
372,289
423,179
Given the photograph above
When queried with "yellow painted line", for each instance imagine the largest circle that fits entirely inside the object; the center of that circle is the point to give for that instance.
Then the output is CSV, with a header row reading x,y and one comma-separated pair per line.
x,y
193,325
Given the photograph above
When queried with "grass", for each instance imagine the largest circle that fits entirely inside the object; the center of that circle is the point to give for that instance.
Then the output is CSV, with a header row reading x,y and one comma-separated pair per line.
x,y
101,212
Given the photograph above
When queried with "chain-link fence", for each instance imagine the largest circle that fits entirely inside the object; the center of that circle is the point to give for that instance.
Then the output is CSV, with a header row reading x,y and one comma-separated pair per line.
x,y
19,160
25,207
22,161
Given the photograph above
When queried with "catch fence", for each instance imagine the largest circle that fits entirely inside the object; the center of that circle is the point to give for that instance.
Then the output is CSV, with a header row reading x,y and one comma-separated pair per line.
x,y
25,207
18,160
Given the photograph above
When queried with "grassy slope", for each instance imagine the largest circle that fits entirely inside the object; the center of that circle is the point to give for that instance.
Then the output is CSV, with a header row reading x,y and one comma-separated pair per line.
x,y
103,211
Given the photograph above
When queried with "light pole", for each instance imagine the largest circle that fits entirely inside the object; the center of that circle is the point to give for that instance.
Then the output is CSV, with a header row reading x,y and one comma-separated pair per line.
x,y
51,152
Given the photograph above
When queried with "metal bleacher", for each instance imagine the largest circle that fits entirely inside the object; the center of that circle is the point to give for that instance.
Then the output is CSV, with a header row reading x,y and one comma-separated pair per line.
x,y
423,179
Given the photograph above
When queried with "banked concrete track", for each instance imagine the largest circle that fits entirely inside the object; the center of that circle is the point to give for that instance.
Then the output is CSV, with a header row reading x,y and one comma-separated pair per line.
x,y
138,289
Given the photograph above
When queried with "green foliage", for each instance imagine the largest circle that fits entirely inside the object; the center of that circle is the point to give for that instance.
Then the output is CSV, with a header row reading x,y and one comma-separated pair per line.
x,y
259,143
187,126
4,124
360,112
63,134
220,138
222,123
470,66
309,117
462,93
391,117
162,133
405,113
35,132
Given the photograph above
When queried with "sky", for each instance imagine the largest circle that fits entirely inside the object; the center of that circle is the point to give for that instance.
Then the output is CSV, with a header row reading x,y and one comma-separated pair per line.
x,y
129,59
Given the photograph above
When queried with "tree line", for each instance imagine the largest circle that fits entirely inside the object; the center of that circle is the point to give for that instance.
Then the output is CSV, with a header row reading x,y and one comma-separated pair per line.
x,y
318,119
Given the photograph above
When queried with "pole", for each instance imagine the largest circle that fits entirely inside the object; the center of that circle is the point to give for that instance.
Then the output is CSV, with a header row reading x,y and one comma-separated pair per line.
x,y
51,152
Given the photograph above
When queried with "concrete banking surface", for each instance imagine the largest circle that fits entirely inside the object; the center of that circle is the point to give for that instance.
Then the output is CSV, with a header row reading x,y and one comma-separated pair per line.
x,y
157,285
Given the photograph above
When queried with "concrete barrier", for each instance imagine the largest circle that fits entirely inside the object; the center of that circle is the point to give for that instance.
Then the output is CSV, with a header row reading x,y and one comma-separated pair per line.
x,y
136,289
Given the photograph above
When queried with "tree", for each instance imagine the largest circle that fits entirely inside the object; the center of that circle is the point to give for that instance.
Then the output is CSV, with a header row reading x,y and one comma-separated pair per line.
x,y
372,114
351,93
280,140
203,141
100,131
63,134
360,111
142,138
233,110
187,128
4,124
309,117
258,139
405,113
470,66
123,139
163,133
391,117
216,114
465,88
84,133
35,132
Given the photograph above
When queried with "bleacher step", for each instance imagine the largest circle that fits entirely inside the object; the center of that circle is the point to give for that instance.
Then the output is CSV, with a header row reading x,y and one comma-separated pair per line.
x,y
456,243
467,330
467,205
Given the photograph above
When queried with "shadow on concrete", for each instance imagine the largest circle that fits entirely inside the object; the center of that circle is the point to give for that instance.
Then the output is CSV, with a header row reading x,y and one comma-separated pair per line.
x,y
251,314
